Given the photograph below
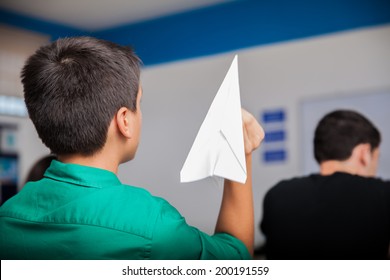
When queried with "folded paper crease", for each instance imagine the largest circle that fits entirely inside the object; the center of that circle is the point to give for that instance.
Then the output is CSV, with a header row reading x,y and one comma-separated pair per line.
x,y
218,149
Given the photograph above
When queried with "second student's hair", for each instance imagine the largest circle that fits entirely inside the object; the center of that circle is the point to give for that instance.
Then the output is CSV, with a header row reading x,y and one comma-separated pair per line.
x,y
339,132
74,86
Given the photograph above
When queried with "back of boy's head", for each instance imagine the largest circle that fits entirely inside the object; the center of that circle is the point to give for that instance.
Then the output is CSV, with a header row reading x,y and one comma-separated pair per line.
x,y
73,88
339,132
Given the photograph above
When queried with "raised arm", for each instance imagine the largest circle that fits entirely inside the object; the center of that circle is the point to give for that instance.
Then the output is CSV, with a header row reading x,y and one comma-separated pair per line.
x,y
236,216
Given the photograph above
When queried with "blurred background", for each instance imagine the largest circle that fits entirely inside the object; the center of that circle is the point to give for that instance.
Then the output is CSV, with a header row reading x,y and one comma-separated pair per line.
x,y
297,61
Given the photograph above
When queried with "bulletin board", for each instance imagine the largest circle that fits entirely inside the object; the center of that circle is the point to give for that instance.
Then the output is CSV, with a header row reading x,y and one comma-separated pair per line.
x,y
374,105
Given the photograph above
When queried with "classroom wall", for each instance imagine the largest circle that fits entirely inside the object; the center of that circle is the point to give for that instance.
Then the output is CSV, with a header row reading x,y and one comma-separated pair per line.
x,y
177,97
16,45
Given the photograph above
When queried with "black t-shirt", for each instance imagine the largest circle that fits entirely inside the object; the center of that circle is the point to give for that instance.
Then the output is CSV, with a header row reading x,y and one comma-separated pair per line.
x,y
340,216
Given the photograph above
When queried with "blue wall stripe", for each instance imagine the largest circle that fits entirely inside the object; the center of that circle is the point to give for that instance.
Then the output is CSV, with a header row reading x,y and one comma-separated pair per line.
x,y
54,30
242,24
229,26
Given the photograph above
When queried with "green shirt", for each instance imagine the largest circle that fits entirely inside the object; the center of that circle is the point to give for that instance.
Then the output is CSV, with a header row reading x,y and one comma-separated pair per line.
x,y
80,212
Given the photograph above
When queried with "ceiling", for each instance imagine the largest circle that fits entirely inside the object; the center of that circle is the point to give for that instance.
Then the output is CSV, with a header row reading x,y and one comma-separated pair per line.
x,y
92,15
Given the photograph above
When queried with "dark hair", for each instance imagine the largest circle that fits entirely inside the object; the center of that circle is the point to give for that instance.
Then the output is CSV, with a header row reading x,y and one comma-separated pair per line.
x,y
38,169
73,88
339,132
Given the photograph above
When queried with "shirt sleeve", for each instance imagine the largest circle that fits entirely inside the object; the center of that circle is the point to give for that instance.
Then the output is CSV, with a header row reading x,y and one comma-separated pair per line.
x,y
173,238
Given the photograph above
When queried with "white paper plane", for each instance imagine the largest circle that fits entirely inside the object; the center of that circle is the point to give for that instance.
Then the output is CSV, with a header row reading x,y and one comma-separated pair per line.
x,y
218,149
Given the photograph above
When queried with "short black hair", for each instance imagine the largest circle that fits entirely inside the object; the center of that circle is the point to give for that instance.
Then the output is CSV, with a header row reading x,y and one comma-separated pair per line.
x,y
73,88
339,132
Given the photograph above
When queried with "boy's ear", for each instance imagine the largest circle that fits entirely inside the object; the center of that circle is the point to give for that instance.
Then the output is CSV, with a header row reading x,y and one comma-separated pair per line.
x,y
124,118
365,154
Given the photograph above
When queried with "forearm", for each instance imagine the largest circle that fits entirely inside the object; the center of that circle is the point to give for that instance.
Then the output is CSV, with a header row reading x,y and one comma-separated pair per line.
x,y
236,216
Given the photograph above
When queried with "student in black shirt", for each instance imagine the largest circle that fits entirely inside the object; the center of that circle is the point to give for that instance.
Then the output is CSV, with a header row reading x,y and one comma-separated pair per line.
x,y
341,213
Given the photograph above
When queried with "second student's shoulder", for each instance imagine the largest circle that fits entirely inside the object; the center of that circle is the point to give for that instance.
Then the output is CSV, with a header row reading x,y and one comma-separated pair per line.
x,y
292,184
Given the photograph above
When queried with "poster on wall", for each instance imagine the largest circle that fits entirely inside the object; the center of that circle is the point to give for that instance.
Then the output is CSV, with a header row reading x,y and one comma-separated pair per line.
x,y
8,139
9,162
274,145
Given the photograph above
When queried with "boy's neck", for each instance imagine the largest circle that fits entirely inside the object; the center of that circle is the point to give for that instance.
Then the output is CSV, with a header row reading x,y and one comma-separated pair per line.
x,y
97,160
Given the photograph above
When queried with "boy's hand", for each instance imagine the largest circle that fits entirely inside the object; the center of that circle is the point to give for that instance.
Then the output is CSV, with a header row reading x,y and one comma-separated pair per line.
x,y
253,132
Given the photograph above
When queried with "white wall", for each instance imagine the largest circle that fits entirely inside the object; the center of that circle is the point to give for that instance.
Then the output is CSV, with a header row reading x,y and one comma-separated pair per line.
x,y
15,47
177,96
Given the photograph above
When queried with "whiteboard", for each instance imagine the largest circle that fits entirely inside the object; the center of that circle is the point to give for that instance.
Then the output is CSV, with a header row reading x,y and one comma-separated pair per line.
x,y
375,106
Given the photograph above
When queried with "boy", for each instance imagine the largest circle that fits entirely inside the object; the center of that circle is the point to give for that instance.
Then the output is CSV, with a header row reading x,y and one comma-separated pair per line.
x,y
83,96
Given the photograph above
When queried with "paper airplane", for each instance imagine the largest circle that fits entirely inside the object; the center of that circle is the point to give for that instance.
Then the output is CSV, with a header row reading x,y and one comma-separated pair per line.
x,y
218,149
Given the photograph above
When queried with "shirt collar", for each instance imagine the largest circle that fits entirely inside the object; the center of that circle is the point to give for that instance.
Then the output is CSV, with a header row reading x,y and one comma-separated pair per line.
x,y
82,175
